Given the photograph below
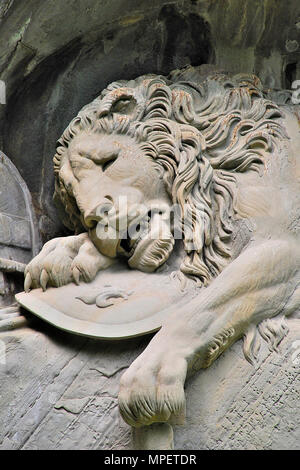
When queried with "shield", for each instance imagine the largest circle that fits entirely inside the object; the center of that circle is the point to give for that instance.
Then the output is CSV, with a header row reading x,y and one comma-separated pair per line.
x,y
19,240
119,303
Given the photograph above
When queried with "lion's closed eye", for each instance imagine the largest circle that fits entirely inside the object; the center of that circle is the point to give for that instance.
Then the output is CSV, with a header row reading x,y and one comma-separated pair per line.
x,y
81,162
80,165
108,163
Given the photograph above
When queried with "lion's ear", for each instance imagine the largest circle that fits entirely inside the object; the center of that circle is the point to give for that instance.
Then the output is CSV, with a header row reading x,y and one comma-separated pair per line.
x,y
124,106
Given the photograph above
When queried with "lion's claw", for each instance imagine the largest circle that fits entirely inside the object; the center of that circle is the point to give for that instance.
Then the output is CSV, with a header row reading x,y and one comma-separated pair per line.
x,y
76,275
44,279
27,282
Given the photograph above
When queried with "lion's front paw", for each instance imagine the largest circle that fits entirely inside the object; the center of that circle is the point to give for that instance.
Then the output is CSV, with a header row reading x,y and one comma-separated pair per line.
x,y
152,391
52,266
64,260
88,262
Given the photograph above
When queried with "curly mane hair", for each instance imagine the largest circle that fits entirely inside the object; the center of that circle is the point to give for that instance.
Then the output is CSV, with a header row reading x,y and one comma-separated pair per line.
x,y
203,130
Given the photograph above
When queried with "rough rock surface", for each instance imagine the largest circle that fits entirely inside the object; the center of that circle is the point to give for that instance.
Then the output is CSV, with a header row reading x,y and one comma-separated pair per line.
x,y
60,392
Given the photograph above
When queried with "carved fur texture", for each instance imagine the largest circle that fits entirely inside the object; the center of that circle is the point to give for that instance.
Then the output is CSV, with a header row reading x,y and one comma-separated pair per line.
x,y
202,133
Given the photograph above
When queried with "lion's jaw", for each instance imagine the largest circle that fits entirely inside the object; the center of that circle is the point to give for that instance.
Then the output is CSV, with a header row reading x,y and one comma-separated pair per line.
x,y
153,247
147,243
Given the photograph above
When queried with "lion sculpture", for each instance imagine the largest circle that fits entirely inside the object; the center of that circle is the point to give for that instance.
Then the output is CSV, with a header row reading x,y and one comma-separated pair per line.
x,y
228,157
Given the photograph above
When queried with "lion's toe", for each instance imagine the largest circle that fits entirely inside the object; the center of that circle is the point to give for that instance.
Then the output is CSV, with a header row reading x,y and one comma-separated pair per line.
x,y
148,397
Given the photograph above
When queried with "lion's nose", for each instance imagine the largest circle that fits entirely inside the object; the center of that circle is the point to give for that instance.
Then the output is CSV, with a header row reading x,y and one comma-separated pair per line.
x,y
98,213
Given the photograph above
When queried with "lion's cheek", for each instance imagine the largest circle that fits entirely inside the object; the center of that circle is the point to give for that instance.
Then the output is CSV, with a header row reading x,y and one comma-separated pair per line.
x,y
153,250
106,246
151,254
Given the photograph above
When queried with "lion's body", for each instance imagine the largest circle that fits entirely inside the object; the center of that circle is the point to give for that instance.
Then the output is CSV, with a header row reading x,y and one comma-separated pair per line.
x,y
267,204
232,158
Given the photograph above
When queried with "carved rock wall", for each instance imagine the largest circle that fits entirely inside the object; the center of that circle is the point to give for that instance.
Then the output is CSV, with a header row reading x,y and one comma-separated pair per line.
x,y
60,392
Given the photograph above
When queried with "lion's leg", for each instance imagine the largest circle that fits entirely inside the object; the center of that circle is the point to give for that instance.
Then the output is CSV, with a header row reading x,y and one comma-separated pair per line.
x,y
64,260
255,286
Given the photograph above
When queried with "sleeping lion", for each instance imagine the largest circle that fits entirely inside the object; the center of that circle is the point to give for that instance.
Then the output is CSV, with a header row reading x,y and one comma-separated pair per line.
x,y
228,158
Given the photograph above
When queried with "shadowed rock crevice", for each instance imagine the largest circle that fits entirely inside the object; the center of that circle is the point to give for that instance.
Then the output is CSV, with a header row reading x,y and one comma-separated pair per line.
x,y
187,39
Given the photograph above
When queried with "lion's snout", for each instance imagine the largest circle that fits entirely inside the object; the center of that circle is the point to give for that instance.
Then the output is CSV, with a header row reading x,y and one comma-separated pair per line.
x,y
98,213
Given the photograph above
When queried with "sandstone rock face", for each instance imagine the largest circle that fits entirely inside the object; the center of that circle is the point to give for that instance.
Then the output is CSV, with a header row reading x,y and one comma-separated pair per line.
x,y
60,392
57,56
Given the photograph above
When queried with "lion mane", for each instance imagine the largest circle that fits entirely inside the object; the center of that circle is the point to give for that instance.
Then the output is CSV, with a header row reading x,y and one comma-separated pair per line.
x,y
203,129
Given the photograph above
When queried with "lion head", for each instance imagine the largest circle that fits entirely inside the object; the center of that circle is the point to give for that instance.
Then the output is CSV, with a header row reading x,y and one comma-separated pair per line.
x,y
160,142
